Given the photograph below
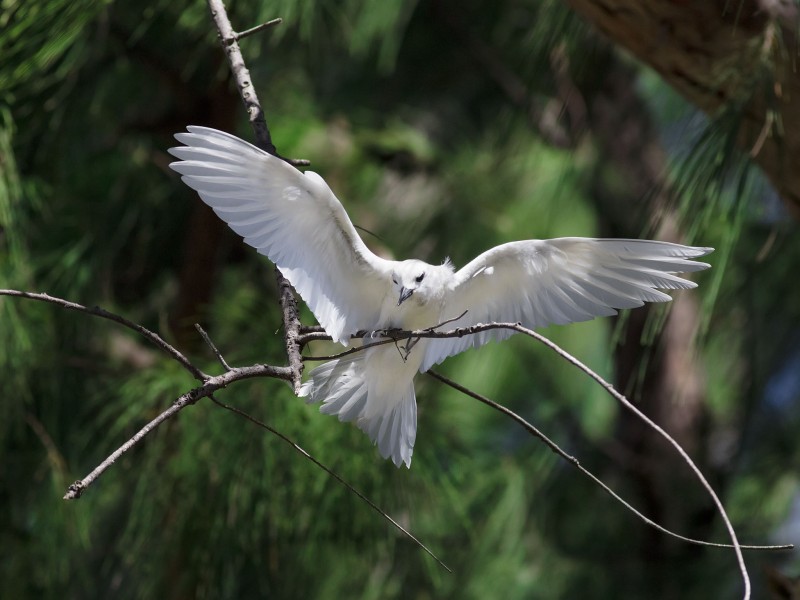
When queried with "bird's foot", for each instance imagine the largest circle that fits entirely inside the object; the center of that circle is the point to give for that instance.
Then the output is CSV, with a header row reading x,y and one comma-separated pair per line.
x,y
405,349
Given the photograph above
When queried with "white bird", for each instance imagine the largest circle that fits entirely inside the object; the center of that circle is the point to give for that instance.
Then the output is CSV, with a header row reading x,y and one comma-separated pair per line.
x,y
296,220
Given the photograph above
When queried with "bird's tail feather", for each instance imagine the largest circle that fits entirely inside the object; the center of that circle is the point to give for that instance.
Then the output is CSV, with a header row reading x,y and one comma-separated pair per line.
x,y
344,388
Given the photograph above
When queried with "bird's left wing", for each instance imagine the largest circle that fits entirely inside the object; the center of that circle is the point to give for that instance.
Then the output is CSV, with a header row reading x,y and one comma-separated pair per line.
x,y
294,219
565,280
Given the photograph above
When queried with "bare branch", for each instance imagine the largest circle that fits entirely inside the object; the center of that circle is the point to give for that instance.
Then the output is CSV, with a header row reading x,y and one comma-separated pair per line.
x,y
291,329
569,458
394,335
388,340
242,76
243,34
210,385
211,345
447,321
291,323
96,311
333,474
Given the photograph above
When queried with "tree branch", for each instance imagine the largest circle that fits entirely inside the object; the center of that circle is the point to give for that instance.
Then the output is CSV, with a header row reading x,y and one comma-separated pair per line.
x,y
213,347
716,54
291,322
394,335
210,385
240,73
650,423
207,389
96,311
243,34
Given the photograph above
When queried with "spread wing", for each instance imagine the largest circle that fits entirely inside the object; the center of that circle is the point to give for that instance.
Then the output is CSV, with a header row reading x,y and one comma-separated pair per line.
x,y
565,280
294,219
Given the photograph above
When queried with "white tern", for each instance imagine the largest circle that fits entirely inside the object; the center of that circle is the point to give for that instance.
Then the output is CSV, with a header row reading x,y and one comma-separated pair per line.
x,y
296,220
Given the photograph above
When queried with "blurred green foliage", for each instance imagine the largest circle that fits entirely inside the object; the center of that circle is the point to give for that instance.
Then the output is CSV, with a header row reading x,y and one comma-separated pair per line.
x,y
429,153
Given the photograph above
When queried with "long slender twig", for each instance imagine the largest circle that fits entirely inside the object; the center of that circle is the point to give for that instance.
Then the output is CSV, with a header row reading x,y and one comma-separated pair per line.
x,y
210,385
77,488
213,347
655,427
333,474
569,458
96,311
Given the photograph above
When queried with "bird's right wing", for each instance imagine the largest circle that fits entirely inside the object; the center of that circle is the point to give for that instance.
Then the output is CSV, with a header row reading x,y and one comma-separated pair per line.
x,y
565,280
294,219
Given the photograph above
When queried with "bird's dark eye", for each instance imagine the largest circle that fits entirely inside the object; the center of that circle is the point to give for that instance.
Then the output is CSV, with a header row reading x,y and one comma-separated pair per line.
x,y
394,280
420,278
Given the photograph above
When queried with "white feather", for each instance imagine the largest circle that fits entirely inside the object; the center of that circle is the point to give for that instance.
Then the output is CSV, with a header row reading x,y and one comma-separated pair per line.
x,y
296,221
559,281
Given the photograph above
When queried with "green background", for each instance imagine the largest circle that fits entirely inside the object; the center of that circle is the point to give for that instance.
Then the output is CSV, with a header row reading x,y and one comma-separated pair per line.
x,y
421,136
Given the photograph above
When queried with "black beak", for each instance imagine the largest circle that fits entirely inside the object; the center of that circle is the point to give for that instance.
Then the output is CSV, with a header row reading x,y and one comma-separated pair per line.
x,y
405,294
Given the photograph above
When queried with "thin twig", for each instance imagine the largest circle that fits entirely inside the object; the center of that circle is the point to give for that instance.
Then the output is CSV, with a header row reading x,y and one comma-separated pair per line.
x,y
210,385
650,423
96,311
368,345
243,34
76,489
211,345
655,427
568,457
448,321
333,474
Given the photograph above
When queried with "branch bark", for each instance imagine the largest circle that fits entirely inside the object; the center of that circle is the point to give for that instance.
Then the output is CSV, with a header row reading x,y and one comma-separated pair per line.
x,y
96,311
716,54
244,84
241,75
210,385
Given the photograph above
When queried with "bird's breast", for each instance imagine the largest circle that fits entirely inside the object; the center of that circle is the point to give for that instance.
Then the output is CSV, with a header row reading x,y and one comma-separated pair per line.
x,y
411,314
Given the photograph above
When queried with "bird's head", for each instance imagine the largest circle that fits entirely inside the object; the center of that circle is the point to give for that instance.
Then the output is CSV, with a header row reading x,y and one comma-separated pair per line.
x,y
419,279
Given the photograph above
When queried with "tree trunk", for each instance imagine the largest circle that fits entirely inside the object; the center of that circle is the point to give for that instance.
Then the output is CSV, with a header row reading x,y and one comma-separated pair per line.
x,y
718,53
